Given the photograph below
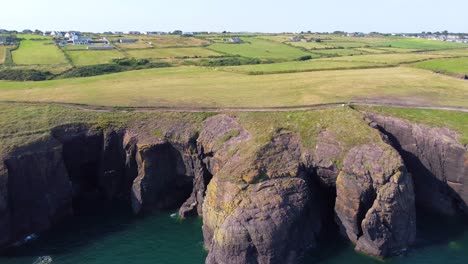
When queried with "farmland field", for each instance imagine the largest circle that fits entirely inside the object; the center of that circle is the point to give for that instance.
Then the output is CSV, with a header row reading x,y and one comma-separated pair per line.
x,y
372,50
452,52
346,44
260,48
455,66
38,52
199,87
408,43
299,66
172,52
92,57
389,58
309,45
338,52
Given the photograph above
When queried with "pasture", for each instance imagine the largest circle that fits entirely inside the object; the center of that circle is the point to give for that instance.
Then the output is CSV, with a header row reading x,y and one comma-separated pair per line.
x,y
38,52
196,87
172,53
93,57
421,44
337,52
389,58
454,66
300,66
260,48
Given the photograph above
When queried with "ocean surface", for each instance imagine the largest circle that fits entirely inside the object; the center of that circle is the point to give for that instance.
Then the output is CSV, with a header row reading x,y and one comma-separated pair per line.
x,y
114,237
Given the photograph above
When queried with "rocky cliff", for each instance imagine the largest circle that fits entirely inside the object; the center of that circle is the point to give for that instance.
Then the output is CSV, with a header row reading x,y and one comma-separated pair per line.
x,y
265,184
435,158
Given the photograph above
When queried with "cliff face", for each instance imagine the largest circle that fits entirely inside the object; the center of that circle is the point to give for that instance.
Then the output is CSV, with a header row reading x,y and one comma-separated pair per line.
x,y
264,196
257,201
435,158
76,166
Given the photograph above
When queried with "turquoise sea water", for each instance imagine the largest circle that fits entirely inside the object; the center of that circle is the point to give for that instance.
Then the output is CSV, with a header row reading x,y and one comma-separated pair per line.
x,y
110,237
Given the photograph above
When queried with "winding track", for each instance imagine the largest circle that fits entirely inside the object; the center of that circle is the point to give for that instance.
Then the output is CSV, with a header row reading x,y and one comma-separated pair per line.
x,y
239,109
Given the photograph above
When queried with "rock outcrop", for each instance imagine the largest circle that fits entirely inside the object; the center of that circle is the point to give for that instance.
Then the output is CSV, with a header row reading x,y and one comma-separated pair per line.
x,y
256,200
260,206
435,158
375,201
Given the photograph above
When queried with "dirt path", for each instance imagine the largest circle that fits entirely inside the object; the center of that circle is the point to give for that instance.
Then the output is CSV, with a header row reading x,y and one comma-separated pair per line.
x,y
240,109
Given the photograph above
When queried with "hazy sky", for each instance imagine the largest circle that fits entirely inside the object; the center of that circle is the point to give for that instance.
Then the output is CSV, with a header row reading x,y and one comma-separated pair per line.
x,y
236,15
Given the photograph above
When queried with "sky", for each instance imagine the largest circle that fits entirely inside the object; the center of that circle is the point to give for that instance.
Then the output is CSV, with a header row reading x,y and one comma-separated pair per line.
x,y
274,16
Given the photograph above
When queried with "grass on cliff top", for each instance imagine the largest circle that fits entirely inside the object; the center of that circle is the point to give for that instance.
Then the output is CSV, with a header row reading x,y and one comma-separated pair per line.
x,y
344,123
457,121
198,87
346,126
21,124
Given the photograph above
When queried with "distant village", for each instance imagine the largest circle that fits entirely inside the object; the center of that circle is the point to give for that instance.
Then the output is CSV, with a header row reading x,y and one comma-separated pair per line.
x,y
100,42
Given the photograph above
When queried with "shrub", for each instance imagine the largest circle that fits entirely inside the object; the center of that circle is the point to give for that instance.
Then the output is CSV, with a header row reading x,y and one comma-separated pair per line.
x,y
304,58
24,75
231,61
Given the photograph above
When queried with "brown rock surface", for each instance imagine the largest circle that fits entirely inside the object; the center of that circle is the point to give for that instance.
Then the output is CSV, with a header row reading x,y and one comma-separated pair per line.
x,y
435,158
375,201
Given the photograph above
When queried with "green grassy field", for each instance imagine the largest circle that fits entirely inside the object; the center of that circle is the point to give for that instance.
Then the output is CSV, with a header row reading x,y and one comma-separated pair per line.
x,y
198,87
309,45
260,48
38,52
457,121
372,50
389,58
171,53
424,44
2,53
346,44
452,52
456,66
299,66
338,52
93,57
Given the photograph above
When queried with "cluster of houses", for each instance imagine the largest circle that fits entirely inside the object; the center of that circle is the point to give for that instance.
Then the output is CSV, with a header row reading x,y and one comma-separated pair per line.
x,y
5,40
75,38
443,37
